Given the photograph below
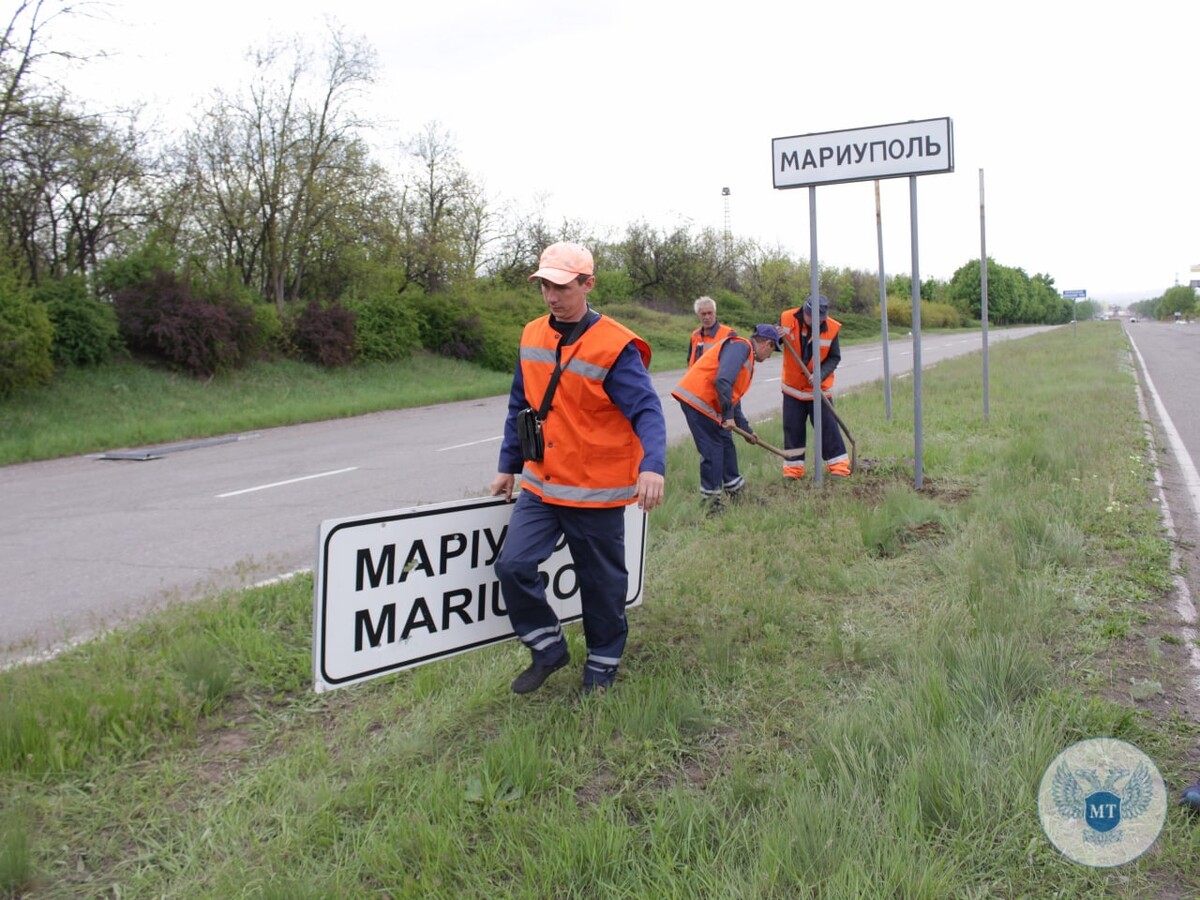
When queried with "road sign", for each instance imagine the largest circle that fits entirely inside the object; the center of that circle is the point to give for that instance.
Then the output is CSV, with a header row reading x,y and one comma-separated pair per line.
x,y
1075,295
393,590
862,154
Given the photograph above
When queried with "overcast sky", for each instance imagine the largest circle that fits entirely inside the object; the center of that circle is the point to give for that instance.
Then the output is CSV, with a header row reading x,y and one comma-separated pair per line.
x,y
1084,119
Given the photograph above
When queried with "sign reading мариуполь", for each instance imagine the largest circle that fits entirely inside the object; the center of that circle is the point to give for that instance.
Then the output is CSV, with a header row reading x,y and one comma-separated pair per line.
x,y
397,589
861,154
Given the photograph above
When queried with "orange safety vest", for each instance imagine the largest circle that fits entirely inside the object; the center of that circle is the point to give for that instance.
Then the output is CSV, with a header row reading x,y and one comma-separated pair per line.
x,y
796,382
698,387
592,453
702,343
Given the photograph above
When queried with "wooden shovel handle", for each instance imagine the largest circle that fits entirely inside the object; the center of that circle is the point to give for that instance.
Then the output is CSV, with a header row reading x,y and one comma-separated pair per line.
x,y
786,454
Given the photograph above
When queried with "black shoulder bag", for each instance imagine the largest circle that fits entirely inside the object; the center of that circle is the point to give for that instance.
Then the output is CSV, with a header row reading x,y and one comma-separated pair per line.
x,y
529,420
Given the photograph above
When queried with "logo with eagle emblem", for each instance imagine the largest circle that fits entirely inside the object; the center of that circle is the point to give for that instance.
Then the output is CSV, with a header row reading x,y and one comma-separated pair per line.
x,y
1102,802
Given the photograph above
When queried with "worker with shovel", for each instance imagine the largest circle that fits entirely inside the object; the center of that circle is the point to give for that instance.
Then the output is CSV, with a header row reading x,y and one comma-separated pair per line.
x,y
710,396
796,327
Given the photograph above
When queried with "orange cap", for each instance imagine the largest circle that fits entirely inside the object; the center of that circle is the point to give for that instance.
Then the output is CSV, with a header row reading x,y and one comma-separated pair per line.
x,y
563,262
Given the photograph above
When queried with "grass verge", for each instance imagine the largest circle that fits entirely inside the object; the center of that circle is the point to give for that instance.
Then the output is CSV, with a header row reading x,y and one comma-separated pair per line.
x,y
850,692
126,404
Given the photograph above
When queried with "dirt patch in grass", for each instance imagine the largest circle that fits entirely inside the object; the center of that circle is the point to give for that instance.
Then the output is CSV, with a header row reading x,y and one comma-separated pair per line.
x,y
924,531
224,743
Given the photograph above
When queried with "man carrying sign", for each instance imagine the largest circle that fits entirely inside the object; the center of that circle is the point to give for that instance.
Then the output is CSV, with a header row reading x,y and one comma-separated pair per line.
x,y
586,431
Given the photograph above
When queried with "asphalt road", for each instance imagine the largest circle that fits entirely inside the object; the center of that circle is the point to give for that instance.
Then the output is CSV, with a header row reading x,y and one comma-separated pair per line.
x,y
1168,356
87,542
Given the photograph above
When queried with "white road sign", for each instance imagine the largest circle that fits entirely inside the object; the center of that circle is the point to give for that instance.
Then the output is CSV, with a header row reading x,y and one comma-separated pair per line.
x,y
860,154
397,589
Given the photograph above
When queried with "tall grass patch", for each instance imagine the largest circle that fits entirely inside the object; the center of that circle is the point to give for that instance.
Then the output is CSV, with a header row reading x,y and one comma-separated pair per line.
x,y
850,691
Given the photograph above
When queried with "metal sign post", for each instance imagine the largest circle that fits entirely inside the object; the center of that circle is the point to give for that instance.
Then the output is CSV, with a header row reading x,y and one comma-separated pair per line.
x,y
814,291
918,411
983,294
909,149
883,315
1074,296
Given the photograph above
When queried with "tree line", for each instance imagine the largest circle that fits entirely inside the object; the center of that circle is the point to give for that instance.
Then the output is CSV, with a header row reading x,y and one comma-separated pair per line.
x,y
271,225
1177,302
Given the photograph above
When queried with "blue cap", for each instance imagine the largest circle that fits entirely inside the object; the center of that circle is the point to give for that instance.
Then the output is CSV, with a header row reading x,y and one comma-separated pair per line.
x,y
767,333
822,302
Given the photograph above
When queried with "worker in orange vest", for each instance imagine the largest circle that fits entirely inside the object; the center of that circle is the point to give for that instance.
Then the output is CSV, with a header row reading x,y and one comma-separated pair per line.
x,y
796,325
710,333
710,396
598,445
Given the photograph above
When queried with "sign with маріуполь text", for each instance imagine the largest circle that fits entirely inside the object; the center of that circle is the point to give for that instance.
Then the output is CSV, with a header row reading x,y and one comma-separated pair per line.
x,y
862,154
393,590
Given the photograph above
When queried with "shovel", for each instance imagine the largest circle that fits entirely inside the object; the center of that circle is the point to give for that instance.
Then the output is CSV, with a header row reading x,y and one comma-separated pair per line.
x,y
754,439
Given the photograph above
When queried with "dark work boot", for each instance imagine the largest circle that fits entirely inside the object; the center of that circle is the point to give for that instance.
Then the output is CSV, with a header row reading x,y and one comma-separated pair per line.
x,y
598,679
535,676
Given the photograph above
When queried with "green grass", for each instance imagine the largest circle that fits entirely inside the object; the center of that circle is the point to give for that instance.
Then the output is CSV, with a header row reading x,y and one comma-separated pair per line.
x,y
125,404
845,692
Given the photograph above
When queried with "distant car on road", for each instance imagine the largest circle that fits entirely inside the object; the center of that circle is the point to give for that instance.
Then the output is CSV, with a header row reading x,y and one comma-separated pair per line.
x,y
1132,319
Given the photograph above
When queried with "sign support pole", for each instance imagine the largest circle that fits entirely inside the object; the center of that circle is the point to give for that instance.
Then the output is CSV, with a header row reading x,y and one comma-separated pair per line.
x,y
983,295
918,440
883,317
814,290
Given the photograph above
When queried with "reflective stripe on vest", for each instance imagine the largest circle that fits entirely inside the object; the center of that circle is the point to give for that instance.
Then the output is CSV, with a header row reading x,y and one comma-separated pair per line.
x,y
698,387
795,381
592,453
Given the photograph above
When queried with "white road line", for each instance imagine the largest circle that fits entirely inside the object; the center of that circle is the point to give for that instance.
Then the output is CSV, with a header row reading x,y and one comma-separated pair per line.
x,y
263,487
1185,606
471,443
1186,467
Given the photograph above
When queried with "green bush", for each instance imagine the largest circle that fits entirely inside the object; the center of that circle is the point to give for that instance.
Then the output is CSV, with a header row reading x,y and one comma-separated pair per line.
x,y
449,326
85,330
26,340
933,315
735,310
386,329
858,325
612,287
137,267
272,338
501,346
668,334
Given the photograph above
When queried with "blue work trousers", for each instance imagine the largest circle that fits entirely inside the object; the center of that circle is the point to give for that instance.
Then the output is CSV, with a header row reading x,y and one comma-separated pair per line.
x,y
596,539
796,416
718,456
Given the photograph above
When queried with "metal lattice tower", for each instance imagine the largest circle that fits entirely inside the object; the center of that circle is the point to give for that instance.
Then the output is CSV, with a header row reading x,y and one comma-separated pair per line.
x,y
725,194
